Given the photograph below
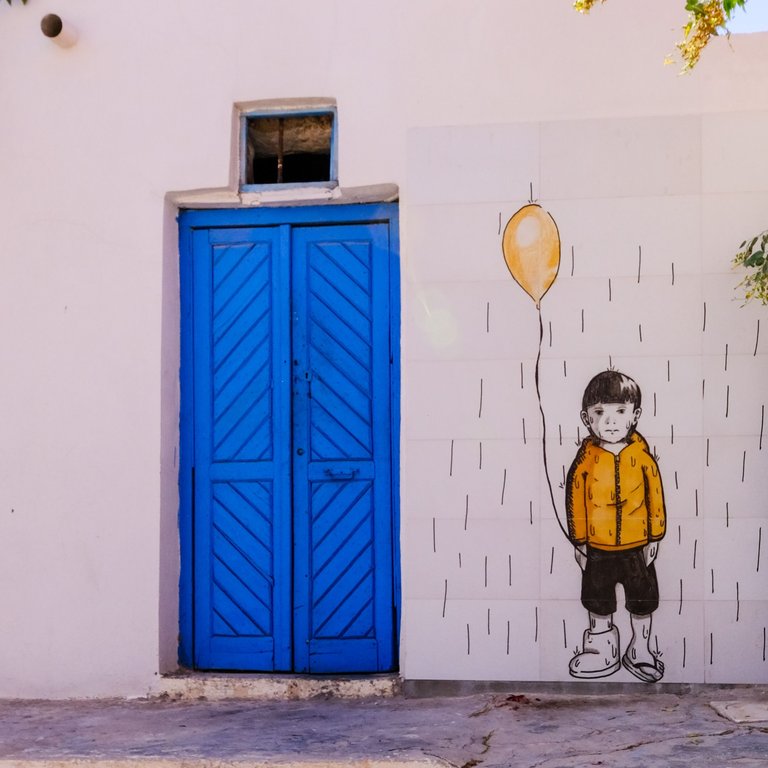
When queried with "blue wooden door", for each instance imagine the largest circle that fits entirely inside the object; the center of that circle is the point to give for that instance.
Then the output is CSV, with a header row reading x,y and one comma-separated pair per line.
x,y
292,514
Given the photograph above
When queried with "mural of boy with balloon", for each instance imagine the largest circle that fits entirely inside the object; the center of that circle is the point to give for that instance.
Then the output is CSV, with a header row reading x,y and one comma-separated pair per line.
x,y
614,498
616,517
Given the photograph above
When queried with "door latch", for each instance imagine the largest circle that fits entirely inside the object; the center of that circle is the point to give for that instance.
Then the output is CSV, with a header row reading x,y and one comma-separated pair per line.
x,y
348,475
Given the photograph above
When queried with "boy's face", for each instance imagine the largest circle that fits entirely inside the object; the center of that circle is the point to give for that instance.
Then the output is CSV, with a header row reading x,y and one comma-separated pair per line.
x,y
611,422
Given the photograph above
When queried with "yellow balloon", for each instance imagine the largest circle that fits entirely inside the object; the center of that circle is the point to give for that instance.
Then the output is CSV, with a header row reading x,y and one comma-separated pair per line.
x,y
531,245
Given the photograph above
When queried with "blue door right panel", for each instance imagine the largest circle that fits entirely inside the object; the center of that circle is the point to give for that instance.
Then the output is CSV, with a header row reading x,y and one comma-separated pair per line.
x,y
343,612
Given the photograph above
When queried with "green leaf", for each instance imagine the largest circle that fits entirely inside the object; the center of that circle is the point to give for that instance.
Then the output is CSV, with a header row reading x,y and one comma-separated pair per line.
x,y
730,5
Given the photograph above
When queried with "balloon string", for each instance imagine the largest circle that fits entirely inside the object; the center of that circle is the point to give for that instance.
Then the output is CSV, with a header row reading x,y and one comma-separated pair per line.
x,y
544,429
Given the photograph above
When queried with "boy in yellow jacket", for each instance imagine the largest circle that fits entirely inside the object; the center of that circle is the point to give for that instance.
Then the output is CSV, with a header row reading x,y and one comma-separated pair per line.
x,y
616,517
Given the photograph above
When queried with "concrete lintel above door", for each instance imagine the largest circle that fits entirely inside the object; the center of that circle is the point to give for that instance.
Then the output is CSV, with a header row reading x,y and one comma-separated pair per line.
x,y
227,197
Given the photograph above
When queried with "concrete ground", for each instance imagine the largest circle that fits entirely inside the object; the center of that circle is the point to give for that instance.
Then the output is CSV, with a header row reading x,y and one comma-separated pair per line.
x,y
512,728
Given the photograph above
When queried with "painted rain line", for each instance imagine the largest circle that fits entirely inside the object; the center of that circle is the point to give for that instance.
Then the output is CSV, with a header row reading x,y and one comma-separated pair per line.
x,y
503,486
550,333
727,399
738,604
522,379
508,633
469,646
565,635
672,434
762,424
466,511
582,321
680,607
743,465
677,486
610,293
560,433
695,547
759,546
679,535
450,468
489,621
445,596
487,316
707,457
704,323
509,569
711,648
712,577
565,370
684,651
673,273
639,262
757,337
536,625
703,387
486,572
481,455
727,515
640,332
434,535
764,643
499,232
654,403
480,409
669,372
573,260
552,561
530,512
525,442
459,560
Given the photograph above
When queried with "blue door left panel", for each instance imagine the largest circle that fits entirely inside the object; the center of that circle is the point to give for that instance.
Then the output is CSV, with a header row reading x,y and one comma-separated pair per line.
x,y
242,486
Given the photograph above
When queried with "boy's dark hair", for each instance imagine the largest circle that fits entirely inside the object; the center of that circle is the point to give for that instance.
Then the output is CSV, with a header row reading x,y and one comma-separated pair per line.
x,y
611,387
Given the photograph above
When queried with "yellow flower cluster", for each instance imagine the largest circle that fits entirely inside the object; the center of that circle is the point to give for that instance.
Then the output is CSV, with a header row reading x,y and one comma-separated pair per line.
x,y
698,30
703,23
583,6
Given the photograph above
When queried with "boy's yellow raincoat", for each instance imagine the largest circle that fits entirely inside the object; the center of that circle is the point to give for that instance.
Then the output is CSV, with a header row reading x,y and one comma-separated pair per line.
x,y
615,502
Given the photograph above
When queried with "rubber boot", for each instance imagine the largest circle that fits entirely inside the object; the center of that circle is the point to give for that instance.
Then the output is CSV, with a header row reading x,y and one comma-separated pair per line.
x,y
600,653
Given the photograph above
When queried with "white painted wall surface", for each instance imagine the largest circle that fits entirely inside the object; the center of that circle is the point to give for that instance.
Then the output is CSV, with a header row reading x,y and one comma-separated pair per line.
x,y
94,136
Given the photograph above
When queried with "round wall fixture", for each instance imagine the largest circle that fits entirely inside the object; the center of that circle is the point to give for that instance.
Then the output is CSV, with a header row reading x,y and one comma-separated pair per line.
x,y
52,25
64,35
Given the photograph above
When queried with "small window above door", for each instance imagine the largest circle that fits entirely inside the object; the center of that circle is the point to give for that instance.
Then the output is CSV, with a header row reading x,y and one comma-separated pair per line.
x,y
288,147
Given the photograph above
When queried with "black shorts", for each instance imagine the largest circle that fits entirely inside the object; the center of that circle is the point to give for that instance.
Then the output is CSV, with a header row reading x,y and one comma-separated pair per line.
x,y
626,567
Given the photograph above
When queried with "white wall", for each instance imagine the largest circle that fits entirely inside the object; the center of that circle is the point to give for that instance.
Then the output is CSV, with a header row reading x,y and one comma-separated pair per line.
x,y
94,136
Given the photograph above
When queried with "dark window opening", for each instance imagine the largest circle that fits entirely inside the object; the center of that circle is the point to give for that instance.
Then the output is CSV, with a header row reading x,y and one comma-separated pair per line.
x,y
289,149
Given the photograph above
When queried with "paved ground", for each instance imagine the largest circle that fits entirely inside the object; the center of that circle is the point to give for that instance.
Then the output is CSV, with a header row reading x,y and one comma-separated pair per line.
x,y
493,729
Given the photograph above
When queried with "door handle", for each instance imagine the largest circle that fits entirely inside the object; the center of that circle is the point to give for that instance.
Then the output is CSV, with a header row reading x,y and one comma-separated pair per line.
x,y
299,451
334,475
